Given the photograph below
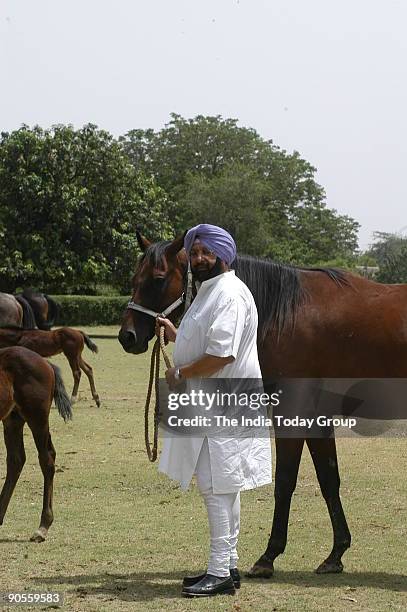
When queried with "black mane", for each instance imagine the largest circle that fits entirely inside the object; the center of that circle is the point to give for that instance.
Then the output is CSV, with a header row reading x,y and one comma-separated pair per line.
x,y
277,290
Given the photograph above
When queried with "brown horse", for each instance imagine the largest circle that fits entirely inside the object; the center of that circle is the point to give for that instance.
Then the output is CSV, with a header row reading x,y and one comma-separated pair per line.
x,y
64,340
44,308
313,323
15,310
28,384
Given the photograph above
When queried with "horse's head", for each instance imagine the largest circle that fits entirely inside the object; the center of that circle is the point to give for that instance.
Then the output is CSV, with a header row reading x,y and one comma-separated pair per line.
x,y
157,283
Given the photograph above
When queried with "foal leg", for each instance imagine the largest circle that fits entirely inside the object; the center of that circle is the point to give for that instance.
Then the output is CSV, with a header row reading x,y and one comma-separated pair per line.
x,y
89,373
13,437
76,372
46,457
323,453
288,457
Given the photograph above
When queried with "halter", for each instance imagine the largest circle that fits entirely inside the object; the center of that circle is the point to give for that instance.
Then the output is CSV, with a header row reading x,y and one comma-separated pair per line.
x,y
185,298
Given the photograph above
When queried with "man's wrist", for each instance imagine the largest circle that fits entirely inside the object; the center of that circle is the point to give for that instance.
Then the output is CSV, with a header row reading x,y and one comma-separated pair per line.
x,y
178,374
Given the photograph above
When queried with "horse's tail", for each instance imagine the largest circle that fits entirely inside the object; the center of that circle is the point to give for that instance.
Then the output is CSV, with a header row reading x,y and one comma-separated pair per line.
x,y
28,313
91,345
62,401
53,311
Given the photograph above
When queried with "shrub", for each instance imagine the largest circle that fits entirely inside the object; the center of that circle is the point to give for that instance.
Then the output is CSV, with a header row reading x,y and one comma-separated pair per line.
x,y
90,309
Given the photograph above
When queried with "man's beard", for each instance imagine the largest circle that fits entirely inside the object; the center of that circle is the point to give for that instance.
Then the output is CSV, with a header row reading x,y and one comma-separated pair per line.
x,y
205,273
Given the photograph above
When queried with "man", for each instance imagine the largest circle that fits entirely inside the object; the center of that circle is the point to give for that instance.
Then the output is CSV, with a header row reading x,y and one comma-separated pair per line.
x,y
216,339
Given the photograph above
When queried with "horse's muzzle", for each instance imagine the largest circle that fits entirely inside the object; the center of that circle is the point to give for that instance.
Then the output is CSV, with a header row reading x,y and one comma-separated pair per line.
x,y
128,340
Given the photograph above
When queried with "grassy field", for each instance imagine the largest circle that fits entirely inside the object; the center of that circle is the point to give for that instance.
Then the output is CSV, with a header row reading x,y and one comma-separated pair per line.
x,y
124,535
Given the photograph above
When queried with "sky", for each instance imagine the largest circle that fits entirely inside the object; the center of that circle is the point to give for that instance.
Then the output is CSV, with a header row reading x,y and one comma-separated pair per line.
x,y
327,79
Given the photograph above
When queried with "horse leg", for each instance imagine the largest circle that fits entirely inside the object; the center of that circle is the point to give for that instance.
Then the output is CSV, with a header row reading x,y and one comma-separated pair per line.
x,y
76,373
323,453
13,437
89,373
288,457
46,457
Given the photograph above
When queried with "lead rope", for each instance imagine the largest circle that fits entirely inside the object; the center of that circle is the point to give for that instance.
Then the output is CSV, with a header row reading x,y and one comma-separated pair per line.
x,y
154,374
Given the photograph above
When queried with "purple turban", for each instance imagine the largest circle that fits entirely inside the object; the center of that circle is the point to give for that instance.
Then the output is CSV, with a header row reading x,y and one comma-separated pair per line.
x,y
214,238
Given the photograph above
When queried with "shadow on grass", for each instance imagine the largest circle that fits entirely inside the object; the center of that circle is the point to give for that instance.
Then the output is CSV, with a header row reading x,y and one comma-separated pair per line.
x,y
145,586
14,541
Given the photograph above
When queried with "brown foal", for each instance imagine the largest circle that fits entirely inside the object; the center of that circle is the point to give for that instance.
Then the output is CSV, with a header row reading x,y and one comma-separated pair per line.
x,y
64,340
28,384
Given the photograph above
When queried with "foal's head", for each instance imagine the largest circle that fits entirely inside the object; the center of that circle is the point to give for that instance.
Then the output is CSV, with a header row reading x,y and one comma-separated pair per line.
x,y
157,282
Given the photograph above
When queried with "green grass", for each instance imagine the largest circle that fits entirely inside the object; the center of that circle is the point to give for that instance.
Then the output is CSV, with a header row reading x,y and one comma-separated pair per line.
x,y
124,535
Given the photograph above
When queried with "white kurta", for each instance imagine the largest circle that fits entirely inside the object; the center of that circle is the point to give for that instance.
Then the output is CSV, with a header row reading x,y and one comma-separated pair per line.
x,y
221,321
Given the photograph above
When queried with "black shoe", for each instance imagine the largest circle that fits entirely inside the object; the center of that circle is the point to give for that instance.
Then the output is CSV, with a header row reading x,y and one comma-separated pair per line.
x,y
190,580
210,586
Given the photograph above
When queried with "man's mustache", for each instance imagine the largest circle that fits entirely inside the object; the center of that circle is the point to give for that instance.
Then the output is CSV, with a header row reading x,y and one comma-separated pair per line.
x,y
200,268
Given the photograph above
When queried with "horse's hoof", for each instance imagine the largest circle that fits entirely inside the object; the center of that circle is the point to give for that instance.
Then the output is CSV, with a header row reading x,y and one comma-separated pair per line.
x,y
38,536
329,567
263,568
98,403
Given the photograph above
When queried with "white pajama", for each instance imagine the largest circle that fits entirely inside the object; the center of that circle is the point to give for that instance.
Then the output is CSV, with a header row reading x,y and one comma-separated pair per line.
x,y
223,515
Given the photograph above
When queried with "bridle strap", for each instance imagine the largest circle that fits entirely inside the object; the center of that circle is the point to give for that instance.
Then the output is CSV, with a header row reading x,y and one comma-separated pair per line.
x,y
186,298
155,314
188,292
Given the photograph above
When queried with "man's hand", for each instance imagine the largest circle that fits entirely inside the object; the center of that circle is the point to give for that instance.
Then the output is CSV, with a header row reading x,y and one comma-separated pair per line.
x,y
170,332
205,366
173,382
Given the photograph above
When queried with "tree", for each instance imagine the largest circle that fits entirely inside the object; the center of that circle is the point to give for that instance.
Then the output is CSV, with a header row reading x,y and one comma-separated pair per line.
x,y
234,200
390,252
203,146
318,235
70,202
193,160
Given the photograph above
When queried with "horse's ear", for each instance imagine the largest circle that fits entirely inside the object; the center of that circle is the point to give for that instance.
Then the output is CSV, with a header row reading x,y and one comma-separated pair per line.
x,y
142,241
175,246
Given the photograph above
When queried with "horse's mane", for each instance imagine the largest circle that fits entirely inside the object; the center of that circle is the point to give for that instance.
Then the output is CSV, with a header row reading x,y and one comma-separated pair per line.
x,y
276,287
277,290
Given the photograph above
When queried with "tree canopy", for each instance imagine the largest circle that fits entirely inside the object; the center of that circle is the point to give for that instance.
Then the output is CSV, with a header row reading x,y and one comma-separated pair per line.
x,y
390,253
70,200
217,172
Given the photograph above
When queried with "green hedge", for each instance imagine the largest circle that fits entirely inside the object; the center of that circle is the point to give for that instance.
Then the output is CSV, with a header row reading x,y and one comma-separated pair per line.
x,y
90,309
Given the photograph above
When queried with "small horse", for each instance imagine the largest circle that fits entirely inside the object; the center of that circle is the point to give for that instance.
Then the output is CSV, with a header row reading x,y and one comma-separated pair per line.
x,y
15,310
45,309
314,323
28,384
64,340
